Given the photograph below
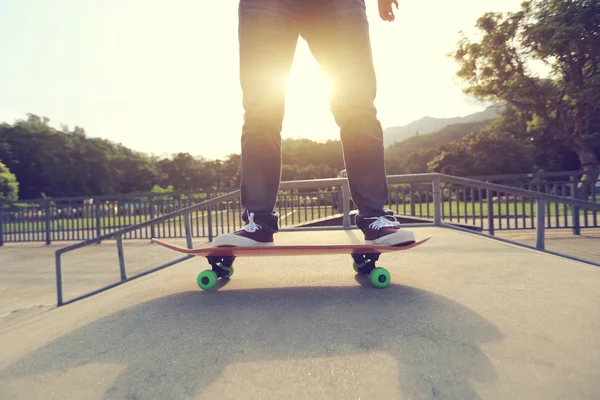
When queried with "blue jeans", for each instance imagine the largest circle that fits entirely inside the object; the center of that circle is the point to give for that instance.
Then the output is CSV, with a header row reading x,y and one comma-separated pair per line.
x,y
337,33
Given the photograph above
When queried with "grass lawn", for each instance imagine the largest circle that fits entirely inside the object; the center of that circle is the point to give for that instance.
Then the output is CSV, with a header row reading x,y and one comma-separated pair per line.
x,y
478,209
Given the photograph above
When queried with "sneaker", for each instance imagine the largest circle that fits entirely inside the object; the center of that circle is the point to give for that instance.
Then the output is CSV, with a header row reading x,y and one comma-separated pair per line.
x,y
251,234
385,231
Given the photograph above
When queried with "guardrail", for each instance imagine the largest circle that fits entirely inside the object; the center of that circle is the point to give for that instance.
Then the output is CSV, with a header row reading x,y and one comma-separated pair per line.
x,y
572,176
488,191
496,210
77,219
80,218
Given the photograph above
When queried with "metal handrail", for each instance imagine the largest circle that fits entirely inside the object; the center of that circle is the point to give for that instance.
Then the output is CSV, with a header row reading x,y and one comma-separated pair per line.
x,y
418,178
177,213
435,179
535,175
320,183
523,192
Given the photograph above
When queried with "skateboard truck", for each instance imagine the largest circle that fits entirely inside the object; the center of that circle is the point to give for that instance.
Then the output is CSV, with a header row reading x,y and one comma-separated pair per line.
x,y
221,265
364,263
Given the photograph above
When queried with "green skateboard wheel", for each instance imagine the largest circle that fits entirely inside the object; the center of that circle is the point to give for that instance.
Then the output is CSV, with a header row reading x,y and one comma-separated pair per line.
x,y
207,279
380,277
229,273
357,266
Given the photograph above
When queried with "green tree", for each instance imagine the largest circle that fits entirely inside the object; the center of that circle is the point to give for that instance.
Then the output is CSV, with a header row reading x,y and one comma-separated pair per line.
x,y
182,171
417,163
413,154
305,152
565,36
9,186
231,170
62,163
488,152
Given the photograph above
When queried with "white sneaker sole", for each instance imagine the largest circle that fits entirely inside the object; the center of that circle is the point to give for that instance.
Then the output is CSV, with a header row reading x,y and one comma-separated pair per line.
x,y
394,239
235,240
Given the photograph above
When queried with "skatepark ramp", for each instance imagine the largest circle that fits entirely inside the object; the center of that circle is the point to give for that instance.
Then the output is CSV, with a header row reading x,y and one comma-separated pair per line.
x,y
537,213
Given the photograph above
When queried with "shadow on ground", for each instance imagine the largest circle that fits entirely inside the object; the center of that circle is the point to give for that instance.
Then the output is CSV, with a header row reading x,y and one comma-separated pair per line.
x,y
175,346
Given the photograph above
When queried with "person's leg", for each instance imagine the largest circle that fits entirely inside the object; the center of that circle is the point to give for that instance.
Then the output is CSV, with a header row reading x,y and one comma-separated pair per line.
x,y
268,34
337,32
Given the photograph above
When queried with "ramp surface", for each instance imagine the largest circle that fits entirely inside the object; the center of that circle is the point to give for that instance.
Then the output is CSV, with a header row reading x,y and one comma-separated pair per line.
x,y
465,317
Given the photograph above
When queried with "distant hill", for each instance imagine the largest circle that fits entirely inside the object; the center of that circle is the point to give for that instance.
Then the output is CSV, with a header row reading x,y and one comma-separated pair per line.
x,y
437,139
412,155
427,125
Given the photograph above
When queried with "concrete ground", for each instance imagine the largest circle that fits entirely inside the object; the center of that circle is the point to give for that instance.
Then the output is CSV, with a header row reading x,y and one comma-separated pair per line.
x,y
28,278
465,318
585,246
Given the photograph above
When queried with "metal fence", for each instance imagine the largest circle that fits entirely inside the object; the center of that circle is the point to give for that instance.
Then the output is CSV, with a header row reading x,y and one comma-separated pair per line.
x,y
83,218
488,197
77,219
498,209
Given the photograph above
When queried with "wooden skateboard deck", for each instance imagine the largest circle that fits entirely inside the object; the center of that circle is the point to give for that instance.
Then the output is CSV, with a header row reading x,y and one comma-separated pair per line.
x,y
288,250
221,258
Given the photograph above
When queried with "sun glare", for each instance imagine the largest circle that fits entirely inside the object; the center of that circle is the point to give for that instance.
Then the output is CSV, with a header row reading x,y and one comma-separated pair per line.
x,y
306,83
307,99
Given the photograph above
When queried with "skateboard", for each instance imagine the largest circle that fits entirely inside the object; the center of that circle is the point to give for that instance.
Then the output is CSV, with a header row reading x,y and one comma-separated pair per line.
x,y
221,258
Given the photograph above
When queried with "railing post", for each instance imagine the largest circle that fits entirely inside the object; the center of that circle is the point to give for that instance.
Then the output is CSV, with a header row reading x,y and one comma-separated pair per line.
x,y
99,209
59,293
152,231
576,224
1,224
540,228
437,201
490,216
575,209
346,205
188,230
47,208
209,221
411,194
121,257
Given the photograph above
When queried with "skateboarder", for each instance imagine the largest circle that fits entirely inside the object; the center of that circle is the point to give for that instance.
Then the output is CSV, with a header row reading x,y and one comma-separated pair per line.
x,y
337,33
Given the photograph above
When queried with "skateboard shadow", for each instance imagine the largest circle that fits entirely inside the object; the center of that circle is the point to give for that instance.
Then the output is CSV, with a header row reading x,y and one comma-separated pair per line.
x,y
180,344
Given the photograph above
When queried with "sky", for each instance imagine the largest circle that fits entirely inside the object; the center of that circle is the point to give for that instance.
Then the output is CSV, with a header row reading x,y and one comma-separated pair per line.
x,y
162,77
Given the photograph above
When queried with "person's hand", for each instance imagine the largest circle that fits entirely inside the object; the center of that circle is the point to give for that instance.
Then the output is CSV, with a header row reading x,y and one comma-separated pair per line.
x,y
385,9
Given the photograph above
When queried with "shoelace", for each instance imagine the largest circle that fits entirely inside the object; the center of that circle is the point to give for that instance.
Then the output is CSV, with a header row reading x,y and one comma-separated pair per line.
x,y
251,226
383,222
